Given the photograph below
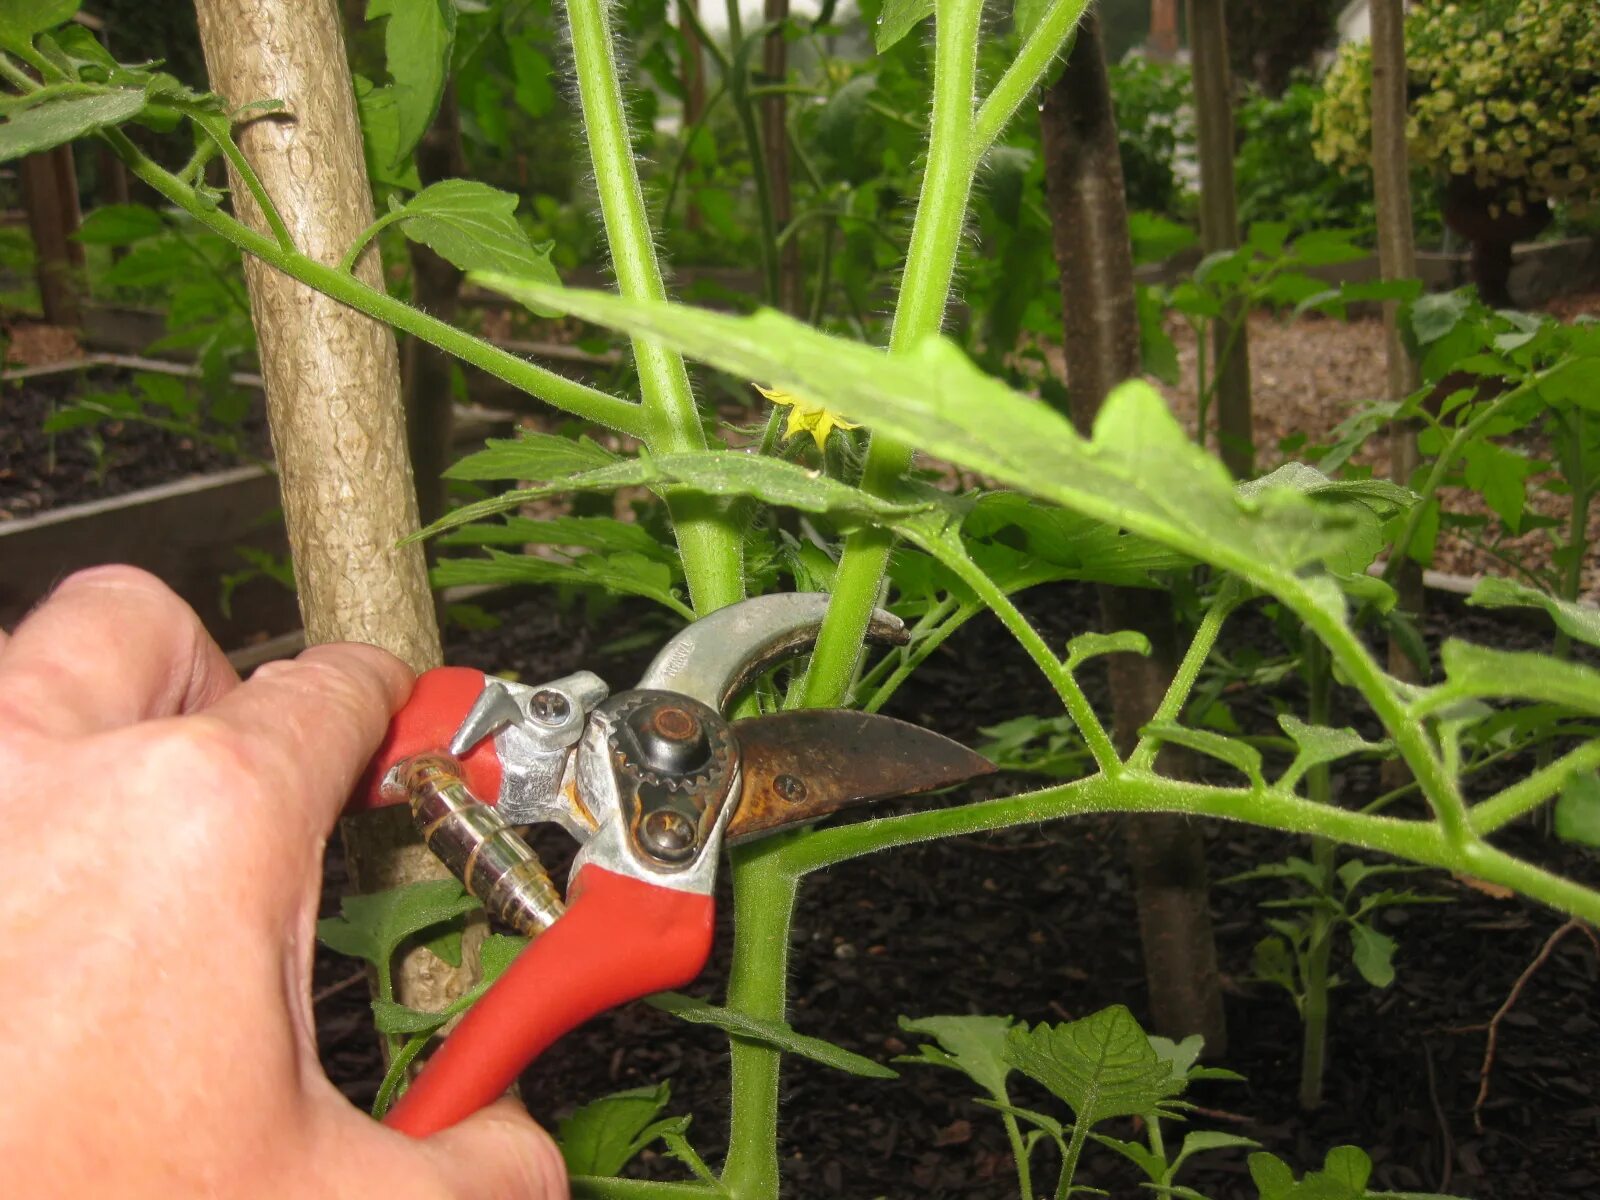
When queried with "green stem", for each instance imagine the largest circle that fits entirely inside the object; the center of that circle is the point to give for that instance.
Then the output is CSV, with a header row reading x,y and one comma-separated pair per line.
x,y
1321,926
576,398
1019,1152
1069,1160
217,129
738,79
707,538
1140,792
1228,597
918,653
919,311
763,907
16,76
1527,794
590,1187
1040,49
1077,704
364,238
1441,469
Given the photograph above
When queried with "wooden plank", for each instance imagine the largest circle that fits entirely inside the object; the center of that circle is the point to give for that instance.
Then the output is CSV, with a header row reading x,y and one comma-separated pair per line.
x,y
185,532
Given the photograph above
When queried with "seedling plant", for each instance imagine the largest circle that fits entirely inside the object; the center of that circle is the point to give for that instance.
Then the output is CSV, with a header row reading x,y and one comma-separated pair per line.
x,y
1128,504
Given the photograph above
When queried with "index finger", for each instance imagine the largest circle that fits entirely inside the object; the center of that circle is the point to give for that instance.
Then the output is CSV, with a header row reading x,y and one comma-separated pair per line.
x,y
311,724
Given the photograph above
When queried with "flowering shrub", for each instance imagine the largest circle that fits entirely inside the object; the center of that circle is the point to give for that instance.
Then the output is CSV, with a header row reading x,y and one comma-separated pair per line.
x,y
1505,99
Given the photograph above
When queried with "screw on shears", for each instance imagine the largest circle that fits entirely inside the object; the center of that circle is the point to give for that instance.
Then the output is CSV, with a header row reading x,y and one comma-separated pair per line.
x,y
652,782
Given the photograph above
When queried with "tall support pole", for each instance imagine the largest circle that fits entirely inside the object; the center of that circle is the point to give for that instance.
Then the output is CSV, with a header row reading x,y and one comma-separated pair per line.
x,y
333,387
1219,227
1089,222
50,196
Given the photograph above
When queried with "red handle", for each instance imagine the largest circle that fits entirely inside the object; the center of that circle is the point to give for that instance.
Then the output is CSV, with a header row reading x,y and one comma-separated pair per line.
x,y
621,939
439,703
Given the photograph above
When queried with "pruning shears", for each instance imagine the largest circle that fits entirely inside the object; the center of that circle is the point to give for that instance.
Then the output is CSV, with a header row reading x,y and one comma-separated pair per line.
x,y
652,782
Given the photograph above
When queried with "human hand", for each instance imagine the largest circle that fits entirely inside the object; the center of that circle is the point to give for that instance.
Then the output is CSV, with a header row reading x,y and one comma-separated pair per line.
x,y
159,876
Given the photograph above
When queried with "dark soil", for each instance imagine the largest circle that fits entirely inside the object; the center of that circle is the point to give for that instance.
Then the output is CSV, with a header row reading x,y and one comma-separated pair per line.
x,y
39,472
1039,923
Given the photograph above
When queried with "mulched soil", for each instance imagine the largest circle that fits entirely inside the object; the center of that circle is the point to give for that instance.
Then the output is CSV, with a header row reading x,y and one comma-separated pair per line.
x,y
1039,923
39,472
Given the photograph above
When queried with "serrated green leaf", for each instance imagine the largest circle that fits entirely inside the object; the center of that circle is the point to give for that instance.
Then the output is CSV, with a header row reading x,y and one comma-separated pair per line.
x,y
1318,744
58,121
416,46
1373,953
1577,813
603,1136
1580,621
771,1033
975,1046
474,227
401,1020
898,18
592,533
120,225
1091,645
716,473
1240,755
20,20
625,572
1101,1066
1140,470
1473,671
532,456
372,926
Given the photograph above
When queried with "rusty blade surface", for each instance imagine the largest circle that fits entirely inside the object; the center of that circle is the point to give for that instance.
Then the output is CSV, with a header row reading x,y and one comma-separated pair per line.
x,y
799,766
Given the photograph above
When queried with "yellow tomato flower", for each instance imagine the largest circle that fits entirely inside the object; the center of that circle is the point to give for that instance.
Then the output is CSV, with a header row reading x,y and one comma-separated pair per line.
x,y
806,416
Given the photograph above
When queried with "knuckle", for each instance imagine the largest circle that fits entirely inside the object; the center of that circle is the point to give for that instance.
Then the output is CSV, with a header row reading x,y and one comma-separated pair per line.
x,y
210,755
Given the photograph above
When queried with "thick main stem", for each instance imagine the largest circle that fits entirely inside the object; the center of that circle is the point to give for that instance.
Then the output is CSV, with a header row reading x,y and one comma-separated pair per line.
x,y
924,292
707,539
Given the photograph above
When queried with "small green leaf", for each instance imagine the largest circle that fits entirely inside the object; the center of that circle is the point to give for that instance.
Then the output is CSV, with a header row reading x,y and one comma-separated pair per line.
x,y
975,1046
416,45
445,945
604,1135
373,926
898,18
1240,755
1577,813
1101,1066
20,20
532,456
591,533
1274,962
56,122
1318,744
74,416
1373,953
402,1020
629,573
379,110
1349,1166
1272,1176
1090,645
772,1033
1580,621
474,227
1025,17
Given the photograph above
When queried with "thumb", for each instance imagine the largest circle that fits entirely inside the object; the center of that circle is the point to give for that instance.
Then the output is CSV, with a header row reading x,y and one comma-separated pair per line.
x,y
499,1153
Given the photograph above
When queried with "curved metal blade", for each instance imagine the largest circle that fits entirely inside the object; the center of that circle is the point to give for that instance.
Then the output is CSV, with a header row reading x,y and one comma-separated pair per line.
x,y
717,656
799,766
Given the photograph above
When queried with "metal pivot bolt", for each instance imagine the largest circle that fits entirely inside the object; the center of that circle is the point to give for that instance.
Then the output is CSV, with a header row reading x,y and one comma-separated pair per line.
x,y
548,706
669,835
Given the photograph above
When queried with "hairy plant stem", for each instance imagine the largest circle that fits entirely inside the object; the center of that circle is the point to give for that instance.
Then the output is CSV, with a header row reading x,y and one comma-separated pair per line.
x,y
1227,599
708,538
919,311
576,398
1319,944
763,907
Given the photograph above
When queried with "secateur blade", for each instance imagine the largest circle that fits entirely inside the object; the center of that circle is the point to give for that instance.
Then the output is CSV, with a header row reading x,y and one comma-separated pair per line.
x,y
800,766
